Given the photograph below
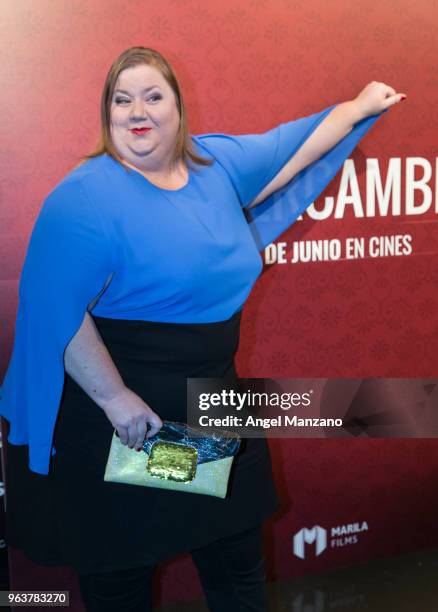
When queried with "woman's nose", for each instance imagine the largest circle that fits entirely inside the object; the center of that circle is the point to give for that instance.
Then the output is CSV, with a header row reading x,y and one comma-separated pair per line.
x,y
138,109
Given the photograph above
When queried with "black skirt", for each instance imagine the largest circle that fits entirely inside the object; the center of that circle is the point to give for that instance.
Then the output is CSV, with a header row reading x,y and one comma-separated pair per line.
x,y
73,517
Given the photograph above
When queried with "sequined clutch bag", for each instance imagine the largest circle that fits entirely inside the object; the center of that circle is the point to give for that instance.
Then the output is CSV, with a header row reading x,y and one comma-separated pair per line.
x,y
178,457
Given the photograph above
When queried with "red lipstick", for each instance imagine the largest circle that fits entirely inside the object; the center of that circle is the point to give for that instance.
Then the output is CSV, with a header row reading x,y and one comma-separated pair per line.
x,y
140,131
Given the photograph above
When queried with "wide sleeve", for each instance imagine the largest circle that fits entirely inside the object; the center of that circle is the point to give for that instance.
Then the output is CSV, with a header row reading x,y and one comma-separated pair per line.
x,y
67,262
253,160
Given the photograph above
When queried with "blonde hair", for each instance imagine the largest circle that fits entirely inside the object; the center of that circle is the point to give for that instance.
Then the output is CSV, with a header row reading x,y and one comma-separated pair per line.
x,y
135,56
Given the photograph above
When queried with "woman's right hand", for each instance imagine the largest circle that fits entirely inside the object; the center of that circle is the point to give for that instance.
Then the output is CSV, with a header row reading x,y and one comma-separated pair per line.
x,y
129,415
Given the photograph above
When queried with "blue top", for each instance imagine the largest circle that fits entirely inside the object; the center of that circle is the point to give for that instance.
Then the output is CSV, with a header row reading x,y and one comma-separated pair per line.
x,y
188,255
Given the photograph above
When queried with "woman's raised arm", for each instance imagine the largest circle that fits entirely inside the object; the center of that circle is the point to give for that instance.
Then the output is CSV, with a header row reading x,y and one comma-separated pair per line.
x,y
373,99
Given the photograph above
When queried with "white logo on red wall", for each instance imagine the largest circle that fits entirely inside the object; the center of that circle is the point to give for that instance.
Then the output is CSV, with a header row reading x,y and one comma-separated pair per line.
x,y
317,535
342,535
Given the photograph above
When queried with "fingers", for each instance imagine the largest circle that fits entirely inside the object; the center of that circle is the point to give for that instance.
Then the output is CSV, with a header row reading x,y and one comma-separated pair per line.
x,y
133,435
141,433
395,99
136,434
123,434
156,424
131,420
392,96
390,91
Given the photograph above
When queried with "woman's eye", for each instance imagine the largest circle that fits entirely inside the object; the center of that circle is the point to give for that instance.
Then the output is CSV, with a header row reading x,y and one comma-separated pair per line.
x,y
154,97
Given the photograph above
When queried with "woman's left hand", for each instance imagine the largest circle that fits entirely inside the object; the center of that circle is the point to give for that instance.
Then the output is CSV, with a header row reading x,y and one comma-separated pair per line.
x,y
376,97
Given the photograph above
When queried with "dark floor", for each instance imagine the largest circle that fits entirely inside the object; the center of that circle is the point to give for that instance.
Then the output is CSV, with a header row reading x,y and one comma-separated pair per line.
x,y
408,583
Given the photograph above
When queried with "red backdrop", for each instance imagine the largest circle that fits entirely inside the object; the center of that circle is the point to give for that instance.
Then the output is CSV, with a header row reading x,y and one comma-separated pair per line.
x,y
244,67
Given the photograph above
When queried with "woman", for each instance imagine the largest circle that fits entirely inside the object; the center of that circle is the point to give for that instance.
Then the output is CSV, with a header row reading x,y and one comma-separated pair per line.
x,y
136,273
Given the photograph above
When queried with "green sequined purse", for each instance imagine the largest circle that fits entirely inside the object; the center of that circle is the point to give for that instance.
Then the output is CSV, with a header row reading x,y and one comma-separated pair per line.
x,y
178,457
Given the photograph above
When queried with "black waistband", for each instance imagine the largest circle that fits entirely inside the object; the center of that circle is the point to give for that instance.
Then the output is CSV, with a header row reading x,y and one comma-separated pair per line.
x,y
150,324
156,343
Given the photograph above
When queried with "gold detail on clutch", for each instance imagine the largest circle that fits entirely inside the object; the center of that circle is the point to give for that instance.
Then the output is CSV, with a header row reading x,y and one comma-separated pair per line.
x,y
171,461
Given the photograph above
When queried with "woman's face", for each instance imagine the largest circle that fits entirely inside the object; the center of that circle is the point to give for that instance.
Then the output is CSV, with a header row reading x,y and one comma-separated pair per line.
x,y
143,98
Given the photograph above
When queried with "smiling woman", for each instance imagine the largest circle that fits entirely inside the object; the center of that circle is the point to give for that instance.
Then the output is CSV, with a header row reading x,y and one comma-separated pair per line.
x,y
128,289
141,90
147,102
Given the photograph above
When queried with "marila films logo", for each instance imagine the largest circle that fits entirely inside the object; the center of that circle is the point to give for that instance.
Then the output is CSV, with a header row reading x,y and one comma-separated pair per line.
x,y
342,535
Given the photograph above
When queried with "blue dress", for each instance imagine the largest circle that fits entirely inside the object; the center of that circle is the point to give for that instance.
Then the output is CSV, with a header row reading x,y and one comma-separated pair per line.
x,y
189,255
165,274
